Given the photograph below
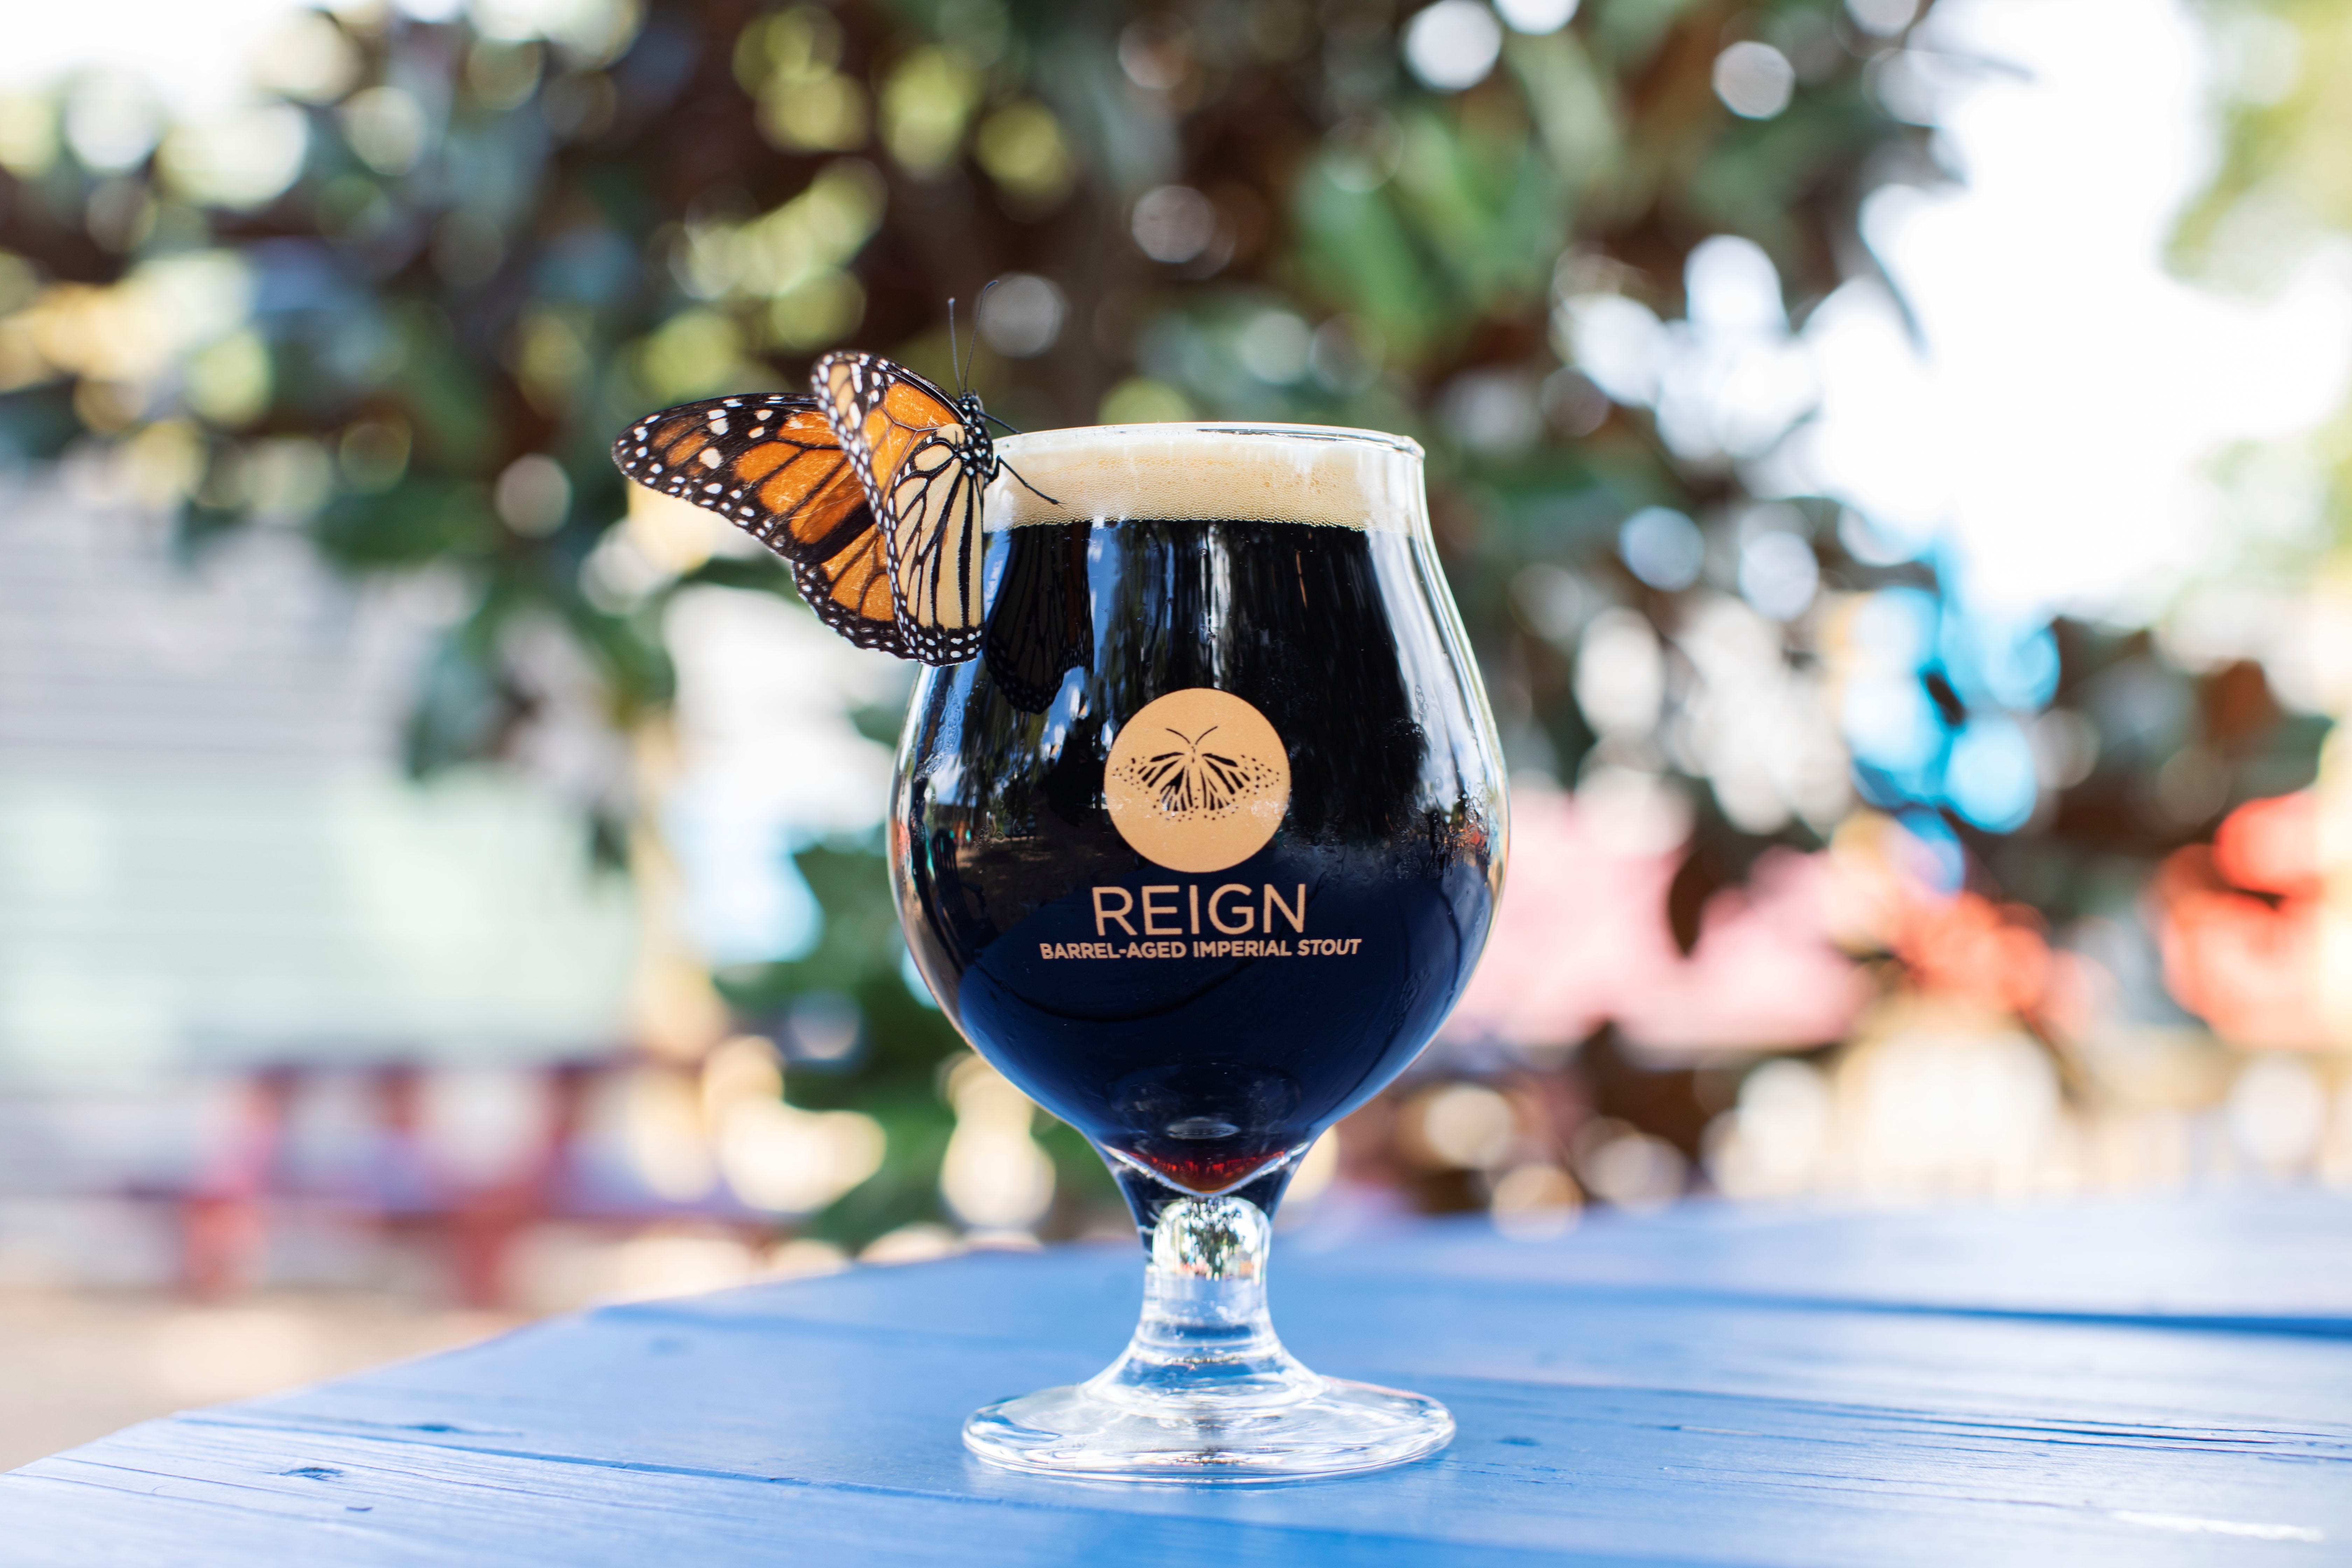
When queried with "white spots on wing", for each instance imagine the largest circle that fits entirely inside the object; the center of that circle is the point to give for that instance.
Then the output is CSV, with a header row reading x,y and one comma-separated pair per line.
x,y
710,458
711,489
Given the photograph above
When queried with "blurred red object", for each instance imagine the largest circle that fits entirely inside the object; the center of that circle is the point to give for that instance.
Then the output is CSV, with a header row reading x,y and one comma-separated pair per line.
x,y
2272,846
1968,947
1581,937
475,1224
2237,924
224,1225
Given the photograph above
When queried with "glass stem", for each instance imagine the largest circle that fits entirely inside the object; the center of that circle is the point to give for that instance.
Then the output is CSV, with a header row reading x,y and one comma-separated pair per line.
x,y
1205,1341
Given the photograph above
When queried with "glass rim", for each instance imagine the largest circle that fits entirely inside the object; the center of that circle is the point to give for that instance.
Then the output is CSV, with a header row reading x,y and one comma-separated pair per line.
x,y
1335,434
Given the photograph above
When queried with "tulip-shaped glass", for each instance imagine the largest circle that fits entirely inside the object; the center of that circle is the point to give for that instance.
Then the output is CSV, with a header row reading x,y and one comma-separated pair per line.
x,y
1199,853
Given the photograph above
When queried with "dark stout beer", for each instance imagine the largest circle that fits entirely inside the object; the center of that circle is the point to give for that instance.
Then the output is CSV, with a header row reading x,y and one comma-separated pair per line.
x,y
1204,932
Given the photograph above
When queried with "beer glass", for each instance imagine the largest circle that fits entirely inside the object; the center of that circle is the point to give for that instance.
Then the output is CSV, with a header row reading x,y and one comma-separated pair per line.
x,y
1199,853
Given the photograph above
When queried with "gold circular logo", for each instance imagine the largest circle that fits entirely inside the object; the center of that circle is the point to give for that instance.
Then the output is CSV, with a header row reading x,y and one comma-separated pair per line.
x,y
1197,781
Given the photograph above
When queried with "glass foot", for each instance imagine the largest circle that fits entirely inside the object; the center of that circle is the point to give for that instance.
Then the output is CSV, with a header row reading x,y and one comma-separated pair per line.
x,y
1205,1391
1075,1431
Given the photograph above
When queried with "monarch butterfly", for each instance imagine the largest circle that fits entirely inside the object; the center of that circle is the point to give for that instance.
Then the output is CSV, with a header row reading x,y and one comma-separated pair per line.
x,y
891,559
772,465
925,459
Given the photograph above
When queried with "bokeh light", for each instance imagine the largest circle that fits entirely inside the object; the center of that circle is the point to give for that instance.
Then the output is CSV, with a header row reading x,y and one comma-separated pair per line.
x,y
1754,80
1888,456
1662,547
1453,44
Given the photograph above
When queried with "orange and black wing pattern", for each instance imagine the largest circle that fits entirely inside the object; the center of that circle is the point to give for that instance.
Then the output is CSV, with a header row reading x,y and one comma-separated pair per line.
x,y
926,460
769,463
851,594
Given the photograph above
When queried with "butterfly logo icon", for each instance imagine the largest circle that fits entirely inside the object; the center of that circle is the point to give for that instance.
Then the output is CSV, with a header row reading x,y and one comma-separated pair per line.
x,y
1191,778
1197,780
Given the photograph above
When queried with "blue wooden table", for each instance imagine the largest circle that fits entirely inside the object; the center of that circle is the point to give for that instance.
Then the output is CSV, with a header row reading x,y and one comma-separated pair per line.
x,y
2142,1383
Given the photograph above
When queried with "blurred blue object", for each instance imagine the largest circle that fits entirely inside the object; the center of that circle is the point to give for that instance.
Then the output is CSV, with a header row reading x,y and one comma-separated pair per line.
x,y
1989,777
746,901
1662,547
2005,660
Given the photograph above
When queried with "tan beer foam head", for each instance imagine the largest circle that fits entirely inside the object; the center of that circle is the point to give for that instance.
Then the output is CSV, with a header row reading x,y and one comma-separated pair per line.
x,y
1262,473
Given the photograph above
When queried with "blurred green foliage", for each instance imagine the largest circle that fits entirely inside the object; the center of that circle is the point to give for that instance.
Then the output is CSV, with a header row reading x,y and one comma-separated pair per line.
x,y
2285,186
492,247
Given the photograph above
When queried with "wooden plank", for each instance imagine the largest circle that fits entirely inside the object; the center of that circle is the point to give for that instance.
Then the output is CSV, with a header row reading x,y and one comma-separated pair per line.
x,y
1347,1321
2261,1259
2269,1262
1569,1476
1548,1460
185,1493
1608,1414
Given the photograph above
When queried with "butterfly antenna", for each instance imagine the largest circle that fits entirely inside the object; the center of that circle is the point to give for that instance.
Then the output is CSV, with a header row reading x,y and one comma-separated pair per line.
x,y
977,300
952,353
1032,489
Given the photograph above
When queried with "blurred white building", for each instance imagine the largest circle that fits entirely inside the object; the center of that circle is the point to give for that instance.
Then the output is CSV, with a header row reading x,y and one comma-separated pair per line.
x,y
209,856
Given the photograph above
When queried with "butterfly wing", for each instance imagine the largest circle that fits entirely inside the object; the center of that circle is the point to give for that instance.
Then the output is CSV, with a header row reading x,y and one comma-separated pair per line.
x,y
924,463
851,594
769,464
1041,622
933,525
